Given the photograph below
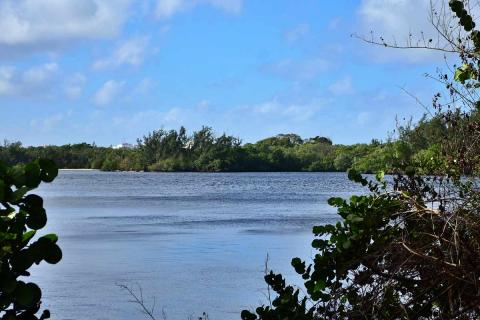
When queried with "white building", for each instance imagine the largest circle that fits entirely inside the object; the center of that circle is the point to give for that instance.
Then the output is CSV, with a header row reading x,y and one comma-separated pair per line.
x,y
124,145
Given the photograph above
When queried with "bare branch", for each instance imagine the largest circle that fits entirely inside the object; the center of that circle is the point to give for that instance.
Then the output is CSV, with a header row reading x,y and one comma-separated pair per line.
x,y
138,299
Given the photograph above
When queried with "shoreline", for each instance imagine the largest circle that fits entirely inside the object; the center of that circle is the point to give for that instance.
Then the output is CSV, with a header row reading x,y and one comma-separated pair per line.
x,y
66,169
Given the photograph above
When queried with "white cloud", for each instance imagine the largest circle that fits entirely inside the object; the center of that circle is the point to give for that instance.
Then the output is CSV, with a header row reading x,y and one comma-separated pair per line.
x,y
363,118
276,110
50,122
153,119
204,105
168,8
266,108
38,76
108,92
307,69
231,6
132,52
297,33
334,24
396,17
139,90
144,86
174,115
35,80
343,86
32,25
395,20
74,86
6,80
269,117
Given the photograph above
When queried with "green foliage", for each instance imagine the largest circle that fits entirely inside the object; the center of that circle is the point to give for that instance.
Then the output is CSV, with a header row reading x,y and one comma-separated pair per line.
x,y
172,150
21,216
466,20
390,256
343,249
288,304
464,73
429,160
409,249
343,161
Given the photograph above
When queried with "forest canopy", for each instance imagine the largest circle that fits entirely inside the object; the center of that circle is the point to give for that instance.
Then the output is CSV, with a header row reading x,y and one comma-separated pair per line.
x,y
204,151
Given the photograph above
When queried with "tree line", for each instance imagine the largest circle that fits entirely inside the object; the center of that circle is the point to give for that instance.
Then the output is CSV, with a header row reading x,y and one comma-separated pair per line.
x,y
204,151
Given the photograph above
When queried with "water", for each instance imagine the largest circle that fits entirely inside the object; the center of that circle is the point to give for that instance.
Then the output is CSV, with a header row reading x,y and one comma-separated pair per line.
x,y
194,242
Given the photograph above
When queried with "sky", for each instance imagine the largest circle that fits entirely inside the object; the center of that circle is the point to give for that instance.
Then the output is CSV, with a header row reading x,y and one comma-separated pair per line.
x,y
110,71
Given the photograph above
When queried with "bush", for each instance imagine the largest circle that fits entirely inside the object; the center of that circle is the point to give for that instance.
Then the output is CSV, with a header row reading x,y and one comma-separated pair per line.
x,y
429,160
169,165
21,216
409,250
407,253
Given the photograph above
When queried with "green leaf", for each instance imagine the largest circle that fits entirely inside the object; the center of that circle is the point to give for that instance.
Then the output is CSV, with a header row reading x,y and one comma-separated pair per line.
x,y
22,260
32,175
456,5
247,315
319,285
3,169
2,190
17,174
52,237
319,243
296,261
380,175
464,73
27,295
350,216
410,171
318,230
336,202
7,282
49,170
18,194
53,254
357,219
353,175
298,265
33,200
37,220
27,236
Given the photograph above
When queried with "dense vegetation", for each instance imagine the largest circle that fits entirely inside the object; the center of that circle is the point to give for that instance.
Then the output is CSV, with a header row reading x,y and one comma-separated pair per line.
x,y
174,150
21,216
409,249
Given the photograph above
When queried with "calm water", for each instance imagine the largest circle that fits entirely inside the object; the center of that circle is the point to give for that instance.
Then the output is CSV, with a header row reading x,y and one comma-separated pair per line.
x,y
193,241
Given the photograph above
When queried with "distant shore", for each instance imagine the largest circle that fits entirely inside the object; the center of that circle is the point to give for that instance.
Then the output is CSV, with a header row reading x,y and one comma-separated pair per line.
x,y
78,169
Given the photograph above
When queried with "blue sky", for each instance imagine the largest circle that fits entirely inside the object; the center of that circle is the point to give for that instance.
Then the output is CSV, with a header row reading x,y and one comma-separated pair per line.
x,y
109,71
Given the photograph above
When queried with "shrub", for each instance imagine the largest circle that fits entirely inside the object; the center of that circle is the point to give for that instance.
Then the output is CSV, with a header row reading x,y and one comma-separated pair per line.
x,y
21,216
408,253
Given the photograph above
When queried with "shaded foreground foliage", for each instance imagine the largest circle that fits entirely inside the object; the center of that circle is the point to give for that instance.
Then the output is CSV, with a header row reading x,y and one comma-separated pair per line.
x,y
393,256
21,216
410,249
163,150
